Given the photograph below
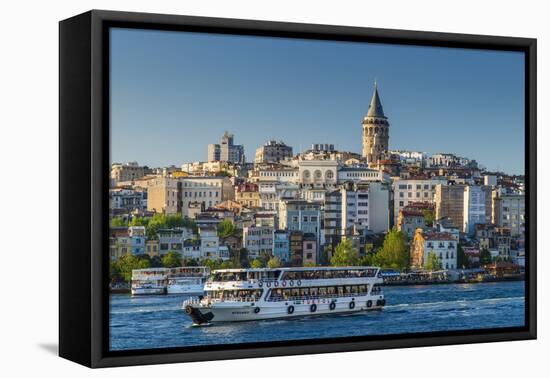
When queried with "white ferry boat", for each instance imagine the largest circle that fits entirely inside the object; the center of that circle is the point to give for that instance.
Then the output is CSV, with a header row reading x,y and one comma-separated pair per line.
x,y
187,280
150,281
256,294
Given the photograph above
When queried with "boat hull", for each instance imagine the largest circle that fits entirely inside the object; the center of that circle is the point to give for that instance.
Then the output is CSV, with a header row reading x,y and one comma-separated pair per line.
x,y
236,312
185,289
148,291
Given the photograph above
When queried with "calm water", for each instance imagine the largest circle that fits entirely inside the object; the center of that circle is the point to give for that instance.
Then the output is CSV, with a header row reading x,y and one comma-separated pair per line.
x,y
159,322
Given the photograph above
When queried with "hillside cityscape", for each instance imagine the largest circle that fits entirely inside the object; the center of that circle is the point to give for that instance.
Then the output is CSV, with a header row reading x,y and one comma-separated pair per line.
x,y
427,216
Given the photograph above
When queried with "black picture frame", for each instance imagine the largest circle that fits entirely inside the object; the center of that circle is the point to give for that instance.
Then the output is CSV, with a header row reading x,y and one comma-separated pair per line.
x,y
83,180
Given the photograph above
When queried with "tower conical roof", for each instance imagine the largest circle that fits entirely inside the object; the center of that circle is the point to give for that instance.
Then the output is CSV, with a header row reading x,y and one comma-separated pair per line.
x,y
375,107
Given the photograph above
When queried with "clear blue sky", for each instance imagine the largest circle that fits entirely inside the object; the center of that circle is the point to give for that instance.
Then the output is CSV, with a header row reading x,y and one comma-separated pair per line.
x,y
172,93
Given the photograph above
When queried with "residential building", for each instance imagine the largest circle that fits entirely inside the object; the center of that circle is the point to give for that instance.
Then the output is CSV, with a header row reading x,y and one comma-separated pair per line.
x,y
247,195
406,191
510,213
281,245
442,244
178,195
272,152
127,199
296,244
309,249
126,172
258,241
449,203
152,247
332,225
173,239
474,208
210,244
409,220
299,215
361,174
137,240
119,242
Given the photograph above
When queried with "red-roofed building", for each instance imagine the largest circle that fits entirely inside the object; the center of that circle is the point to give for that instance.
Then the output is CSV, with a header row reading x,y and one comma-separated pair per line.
x,y
442,244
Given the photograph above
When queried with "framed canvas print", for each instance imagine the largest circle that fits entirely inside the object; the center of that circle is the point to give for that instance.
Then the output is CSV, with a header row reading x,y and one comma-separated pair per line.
x,y
234,188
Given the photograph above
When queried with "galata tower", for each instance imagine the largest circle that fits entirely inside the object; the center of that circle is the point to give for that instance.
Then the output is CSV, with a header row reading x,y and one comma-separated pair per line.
x,y
376,131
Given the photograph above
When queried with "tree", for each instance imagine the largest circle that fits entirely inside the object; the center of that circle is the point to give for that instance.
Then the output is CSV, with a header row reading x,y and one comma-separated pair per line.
x,y
429,218
117,222
161,221
188,261
225,228
125,264
432,262
310,264
171,260
485,256
344,254
228,264
367,260
256,264
462,258
139,221
212,264
243,258
326,253
394,252
156,262
274,262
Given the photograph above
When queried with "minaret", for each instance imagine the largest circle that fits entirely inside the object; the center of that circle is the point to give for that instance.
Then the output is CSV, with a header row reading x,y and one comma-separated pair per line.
x,y
375,130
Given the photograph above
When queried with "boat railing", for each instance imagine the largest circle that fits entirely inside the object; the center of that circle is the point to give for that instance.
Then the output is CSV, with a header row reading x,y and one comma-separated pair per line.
x,y
315,297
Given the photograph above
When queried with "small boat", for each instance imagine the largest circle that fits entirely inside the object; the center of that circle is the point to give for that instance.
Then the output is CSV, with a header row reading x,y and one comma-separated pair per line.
x,y
256,294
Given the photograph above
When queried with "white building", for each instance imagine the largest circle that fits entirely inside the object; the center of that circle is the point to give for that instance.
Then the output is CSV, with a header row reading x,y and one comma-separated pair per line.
x,y
365,208
258,241
318,172
510,213
443,245
210,244
359,174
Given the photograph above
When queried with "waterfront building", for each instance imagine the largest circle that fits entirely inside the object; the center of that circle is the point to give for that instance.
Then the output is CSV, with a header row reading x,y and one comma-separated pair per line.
x,y
247,194
126,172
510,213
226,150
442,244
309,249
137,240
272,152
281,245
375,131
191,249
210,244
258,241
178,195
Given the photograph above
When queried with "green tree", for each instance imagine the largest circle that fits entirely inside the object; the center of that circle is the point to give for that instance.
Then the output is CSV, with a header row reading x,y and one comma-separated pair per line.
x,y
114,272
394,252
139,221
117,222
243,258
156,262
212,264
171,260
462,259
274,262
432,262
256,264
367,260
225,228
344,254
228,264
125,264
485,256
326,253
188,261
429,218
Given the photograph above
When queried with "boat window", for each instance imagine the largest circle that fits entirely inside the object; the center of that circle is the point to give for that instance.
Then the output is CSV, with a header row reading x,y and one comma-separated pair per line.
x,y
304,291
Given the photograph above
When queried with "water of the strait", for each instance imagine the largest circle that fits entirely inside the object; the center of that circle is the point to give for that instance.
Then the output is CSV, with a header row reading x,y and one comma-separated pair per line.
x,y
159,321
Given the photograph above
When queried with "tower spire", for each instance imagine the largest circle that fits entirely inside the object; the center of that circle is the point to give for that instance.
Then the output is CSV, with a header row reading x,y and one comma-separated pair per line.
x,y
375,107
